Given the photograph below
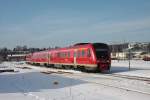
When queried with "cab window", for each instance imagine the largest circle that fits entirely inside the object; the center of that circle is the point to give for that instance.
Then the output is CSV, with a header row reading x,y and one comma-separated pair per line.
x,y
83,53
88,53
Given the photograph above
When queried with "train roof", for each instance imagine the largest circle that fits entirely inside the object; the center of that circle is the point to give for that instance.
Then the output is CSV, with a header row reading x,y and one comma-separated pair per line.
x,y
76,45
94,44
80,44
84,44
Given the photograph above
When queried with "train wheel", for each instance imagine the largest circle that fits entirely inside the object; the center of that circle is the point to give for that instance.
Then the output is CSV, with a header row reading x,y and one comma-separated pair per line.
x,y
81,68
66,67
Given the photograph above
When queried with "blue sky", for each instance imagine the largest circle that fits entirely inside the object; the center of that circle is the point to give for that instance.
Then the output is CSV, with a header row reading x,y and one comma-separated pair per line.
x,y
44,23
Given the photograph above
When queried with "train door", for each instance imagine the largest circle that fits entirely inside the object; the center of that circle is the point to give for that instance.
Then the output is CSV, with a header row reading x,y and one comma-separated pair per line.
x,y
75,58
48,58
82,59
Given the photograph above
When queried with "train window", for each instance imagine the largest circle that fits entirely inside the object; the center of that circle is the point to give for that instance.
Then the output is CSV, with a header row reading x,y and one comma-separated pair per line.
x,y
75,54
49,56
88,53
45,56
61,54
68,54
65,54
58,54
78,54
83,53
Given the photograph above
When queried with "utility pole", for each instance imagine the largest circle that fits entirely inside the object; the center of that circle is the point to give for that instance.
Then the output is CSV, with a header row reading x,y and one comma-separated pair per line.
x,y
129,58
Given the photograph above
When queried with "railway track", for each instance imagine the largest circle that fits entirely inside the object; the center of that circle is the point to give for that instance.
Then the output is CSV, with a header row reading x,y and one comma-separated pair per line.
x,y
100,76
63,71
144,79
130,77
123,88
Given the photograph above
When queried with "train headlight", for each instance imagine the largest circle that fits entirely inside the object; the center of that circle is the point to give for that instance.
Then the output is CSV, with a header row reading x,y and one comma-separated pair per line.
x,y
108,61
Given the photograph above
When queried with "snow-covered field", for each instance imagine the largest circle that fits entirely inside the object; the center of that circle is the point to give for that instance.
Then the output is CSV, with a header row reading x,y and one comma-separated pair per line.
x,y
137,68
31,84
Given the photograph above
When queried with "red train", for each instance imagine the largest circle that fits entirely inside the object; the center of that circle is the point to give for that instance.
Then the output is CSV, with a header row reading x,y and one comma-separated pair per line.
x,y
88,56
146,58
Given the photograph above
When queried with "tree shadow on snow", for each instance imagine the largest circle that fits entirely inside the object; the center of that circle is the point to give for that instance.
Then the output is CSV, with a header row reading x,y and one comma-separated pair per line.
x,y
34,82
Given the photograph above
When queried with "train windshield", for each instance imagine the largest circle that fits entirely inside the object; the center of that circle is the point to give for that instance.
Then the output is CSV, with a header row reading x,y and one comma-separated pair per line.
x,y
101,53
101,50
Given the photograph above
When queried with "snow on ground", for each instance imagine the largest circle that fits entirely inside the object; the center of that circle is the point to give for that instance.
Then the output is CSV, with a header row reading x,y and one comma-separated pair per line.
x,y
30,84
138,68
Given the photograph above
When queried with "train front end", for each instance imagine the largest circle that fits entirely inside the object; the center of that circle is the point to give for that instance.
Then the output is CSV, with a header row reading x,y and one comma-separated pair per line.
x,y
102,54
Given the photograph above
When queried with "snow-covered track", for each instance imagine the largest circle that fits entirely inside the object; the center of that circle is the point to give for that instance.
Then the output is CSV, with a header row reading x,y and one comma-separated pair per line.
x,y
122,88
107,74
129,77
